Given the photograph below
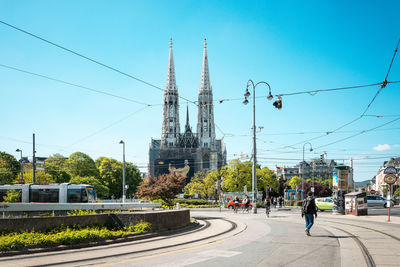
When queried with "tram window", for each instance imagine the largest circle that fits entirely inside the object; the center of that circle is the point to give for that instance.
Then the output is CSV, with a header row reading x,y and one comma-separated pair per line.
x,y
84,196
74,195
44,195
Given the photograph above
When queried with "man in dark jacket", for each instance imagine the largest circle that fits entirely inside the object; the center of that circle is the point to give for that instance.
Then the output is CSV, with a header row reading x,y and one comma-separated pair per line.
x,y
308,210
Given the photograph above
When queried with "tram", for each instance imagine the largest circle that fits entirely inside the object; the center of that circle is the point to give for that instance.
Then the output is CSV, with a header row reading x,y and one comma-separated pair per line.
x,y
52,193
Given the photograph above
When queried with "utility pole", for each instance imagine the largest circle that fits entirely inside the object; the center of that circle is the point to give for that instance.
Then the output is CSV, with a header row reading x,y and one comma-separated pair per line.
x,y
34,162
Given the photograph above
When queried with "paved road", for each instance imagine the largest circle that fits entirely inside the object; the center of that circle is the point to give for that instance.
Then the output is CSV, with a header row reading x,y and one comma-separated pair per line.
x,y
228,239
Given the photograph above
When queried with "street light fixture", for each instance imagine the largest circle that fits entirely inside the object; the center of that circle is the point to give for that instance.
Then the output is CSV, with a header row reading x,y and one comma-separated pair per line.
x,y
302,170
123,171
245,101
22,164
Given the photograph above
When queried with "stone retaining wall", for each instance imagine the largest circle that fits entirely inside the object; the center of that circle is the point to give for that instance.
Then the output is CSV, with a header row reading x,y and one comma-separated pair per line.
x,y
160,220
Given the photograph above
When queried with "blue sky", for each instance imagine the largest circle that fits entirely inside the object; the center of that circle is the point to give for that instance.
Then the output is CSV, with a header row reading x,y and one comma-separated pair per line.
x,y
292,45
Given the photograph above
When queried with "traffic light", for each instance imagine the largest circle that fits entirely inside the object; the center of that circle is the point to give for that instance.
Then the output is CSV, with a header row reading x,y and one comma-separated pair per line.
x,y
278,103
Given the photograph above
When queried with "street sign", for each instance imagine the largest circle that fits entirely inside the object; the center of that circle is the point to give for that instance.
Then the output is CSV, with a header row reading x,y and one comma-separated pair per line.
x,y
372,192
390,178
390,170
21,181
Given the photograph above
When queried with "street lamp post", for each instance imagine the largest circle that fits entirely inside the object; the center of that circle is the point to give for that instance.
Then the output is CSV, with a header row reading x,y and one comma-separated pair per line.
x,y
22,164
123,171
245,101
302,170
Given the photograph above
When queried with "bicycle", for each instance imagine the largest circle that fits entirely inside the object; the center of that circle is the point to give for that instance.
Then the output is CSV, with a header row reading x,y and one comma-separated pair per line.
x,y
235,209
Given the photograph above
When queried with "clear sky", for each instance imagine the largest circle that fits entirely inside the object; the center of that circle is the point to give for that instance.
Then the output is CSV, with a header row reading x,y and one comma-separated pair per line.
x,y
292,45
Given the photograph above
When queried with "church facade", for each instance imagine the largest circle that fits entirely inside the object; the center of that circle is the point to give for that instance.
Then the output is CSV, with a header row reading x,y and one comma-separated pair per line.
x,y
201,150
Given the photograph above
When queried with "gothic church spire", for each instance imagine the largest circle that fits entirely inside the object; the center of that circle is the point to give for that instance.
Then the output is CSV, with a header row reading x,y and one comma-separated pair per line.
x,y
205,124
170,128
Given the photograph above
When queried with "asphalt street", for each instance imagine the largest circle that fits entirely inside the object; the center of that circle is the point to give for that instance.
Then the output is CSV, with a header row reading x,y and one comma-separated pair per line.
x,y
242,239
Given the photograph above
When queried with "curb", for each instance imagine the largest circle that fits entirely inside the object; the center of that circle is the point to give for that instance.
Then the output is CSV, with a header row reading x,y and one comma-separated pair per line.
x,y
129,238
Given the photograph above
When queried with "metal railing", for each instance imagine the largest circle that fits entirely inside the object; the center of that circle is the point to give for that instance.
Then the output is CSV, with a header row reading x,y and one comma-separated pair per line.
x,y
29,207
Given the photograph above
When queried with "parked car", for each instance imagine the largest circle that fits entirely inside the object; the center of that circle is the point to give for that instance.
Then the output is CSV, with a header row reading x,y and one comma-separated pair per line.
x,y
324,203
378,201
231,204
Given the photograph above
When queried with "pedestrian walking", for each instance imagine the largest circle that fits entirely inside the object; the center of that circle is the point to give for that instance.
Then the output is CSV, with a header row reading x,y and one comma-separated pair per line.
x,y
308,211
267,203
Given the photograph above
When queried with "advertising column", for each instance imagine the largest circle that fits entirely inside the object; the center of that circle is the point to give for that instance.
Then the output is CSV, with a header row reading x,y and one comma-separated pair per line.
x,y
340,185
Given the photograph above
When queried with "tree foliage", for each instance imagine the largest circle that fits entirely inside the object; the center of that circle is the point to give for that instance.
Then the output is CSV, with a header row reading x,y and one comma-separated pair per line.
x,y
319,190
12,196
165,187
110,171
81,164
56,166
41,177
196,185
9,168
295,181
234,176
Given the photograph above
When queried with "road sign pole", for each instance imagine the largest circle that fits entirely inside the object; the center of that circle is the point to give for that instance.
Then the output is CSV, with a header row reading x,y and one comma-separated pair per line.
x,y
390,196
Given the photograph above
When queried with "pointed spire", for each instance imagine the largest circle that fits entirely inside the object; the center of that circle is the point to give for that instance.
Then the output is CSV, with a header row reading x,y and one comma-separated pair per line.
x,y
205,75
187,115
171,82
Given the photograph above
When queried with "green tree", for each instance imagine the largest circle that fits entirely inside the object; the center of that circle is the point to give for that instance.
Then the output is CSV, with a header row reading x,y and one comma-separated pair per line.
x,y
41,177
81,164
196,185
101,190
56,166
295,181
133,178
267,177
12,196
110,171
9,168
237,174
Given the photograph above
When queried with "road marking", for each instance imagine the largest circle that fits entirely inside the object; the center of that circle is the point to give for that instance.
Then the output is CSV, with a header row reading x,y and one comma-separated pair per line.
x,y
164,254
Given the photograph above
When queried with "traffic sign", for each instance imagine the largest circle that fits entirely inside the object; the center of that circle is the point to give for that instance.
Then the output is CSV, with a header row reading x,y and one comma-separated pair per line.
x,y
390,170
372,192
390,178
21,181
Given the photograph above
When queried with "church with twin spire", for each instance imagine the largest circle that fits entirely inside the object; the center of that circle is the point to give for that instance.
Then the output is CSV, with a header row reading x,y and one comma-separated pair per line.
x,y
201,151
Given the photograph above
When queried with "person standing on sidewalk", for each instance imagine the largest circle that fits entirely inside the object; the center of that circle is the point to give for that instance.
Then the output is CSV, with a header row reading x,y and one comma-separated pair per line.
x,y
308,211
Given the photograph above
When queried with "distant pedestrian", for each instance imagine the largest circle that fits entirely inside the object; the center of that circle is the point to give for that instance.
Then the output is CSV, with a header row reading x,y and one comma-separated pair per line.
x,y
308,211
267,204
280,200
274,202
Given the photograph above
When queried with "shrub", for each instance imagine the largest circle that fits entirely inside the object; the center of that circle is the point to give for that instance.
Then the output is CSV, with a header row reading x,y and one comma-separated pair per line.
x,y
81,212
141,227
65,235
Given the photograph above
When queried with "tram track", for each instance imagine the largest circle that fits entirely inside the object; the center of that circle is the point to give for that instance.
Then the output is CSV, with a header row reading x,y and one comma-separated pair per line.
x,y
369,260
217,237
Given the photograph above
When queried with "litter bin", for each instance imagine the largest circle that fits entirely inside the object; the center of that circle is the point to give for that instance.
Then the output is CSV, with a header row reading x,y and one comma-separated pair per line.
x,y
356,203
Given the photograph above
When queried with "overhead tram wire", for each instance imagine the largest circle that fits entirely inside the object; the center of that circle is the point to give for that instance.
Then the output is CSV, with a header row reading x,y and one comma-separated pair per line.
x,y
76,85
385,82
362,132
90,59
107,127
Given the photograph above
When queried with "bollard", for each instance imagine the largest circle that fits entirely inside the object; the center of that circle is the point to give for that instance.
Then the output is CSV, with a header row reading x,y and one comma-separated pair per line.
x,y
177,206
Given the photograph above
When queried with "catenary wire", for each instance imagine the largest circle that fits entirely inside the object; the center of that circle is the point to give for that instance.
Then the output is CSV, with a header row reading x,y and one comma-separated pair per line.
x,y
90,59
108,126
75,85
